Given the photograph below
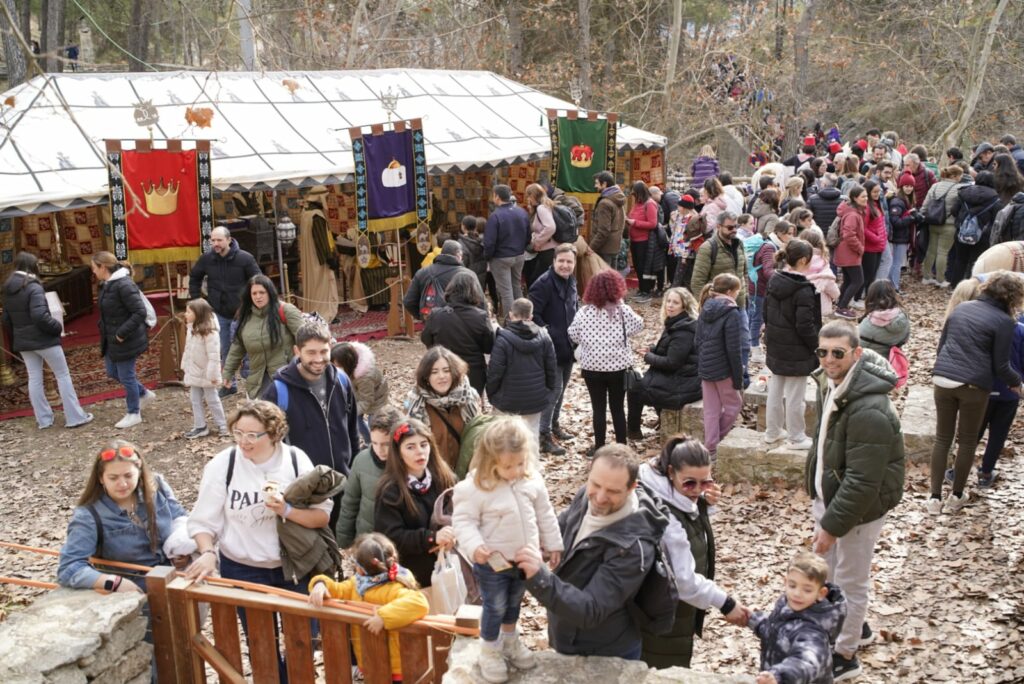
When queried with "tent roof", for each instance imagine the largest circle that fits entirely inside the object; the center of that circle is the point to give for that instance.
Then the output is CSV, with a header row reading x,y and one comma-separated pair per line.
x,y
263,135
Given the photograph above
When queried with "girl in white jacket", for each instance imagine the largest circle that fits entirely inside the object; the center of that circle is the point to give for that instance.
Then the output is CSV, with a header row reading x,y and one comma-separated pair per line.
x,y
201,364
498,509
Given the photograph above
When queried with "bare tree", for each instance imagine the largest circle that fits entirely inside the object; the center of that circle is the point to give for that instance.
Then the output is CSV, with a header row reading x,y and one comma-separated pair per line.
x,y
673,50
13,54
138,37
50,44
583,64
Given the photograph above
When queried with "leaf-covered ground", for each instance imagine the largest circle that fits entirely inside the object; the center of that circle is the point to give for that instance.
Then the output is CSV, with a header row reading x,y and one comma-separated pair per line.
x,y
948,601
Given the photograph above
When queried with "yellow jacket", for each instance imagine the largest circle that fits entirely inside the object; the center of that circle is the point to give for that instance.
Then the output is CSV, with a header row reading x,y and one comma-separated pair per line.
x,y
399,606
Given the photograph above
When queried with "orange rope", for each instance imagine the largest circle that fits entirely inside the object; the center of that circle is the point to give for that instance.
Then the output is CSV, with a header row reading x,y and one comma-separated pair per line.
x,y
94,559
27,583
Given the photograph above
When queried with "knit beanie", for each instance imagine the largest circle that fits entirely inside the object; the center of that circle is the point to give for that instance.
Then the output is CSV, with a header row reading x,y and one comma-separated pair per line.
x,y
907,179
810,140
687,202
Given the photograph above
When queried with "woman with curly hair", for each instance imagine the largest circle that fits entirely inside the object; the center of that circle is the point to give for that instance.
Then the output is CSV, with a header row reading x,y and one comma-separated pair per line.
x,y
602,329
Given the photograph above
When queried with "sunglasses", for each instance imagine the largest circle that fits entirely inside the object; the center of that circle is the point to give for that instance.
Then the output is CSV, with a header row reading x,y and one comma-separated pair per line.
x,y
693,484
121,451
837,354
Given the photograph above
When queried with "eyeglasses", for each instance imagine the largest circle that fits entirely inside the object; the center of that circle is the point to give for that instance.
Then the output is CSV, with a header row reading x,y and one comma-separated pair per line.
x,y
125,451
728,226
693,484
837,354
247,436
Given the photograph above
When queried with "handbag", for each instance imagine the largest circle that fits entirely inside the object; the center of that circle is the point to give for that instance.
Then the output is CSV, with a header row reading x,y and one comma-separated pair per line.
x,y
447,586
630,376
442,517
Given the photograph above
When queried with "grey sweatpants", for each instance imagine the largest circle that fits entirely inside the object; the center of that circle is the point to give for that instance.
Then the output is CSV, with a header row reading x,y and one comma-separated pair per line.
x,y
197,395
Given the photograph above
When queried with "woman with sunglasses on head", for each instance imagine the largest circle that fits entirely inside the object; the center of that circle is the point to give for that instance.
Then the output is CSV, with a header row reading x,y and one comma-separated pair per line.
x,y
681,477
126,513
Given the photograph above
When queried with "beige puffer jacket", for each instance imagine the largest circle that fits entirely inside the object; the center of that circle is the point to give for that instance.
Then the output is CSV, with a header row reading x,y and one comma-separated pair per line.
x,y
506,519
200,360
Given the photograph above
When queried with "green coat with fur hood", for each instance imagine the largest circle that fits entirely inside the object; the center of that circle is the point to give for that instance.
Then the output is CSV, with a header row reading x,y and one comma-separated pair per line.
x,y
863,458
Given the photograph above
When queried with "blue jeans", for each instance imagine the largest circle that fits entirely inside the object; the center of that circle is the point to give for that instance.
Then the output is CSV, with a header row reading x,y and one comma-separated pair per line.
x,y
502,594
755,311
364,429
899,258
54,358
124,372
745,346
228,328
549,417
272,577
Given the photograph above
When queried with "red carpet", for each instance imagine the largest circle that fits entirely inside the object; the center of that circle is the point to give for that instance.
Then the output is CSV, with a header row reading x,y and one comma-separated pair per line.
x,y
81,347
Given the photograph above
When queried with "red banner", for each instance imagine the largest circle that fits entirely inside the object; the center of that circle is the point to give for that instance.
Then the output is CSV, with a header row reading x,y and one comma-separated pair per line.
x,y
165,184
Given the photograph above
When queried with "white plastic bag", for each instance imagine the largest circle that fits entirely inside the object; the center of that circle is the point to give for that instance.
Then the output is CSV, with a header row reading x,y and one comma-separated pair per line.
x,y
447,587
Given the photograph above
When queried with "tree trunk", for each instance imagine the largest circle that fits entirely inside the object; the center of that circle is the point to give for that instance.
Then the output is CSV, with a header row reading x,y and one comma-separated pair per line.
x,y
243,10
800,66
583,63
353,35
13,54
514,17
138,36
976,80
25,19
673,51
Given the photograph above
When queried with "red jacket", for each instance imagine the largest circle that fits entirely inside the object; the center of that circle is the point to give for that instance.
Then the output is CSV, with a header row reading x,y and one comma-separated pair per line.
x,y
850,250
875,235
923,180
645,218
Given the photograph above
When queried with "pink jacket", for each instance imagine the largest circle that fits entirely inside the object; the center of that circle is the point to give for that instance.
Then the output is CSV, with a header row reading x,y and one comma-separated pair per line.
x,y
645,219
712,209
542,230
824,281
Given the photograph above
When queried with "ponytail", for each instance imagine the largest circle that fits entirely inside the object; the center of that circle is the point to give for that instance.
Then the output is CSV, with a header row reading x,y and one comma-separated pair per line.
x,y
722,284
679,452
795,250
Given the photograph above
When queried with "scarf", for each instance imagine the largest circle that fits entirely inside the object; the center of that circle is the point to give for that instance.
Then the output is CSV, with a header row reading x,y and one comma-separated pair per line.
x,y
463,396
779,244
595,523
884,317
365,582
417,485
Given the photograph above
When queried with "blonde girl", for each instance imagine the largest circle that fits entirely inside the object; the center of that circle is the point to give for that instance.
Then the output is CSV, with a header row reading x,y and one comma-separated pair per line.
x,y
200,363
719,339
379,580
501,507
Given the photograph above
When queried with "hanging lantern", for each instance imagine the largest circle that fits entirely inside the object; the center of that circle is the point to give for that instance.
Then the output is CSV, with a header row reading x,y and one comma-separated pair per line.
x,y
285,231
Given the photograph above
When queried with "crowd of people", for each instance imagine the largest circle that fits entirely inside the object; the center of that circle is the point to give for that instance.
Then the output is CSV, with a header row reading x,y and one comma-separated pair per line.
x,y
772,275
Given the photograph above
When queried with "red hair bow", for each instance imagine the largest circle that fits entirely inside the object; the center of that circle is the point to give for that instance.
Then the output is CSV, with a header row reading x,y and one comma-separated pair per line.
x,y
393,571
401,431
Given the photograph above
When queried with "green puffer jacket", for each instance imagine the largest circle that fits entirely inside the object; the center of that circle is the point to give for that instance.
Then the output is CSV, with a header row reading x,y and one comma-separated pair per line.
x,y
864,461
360,495
255,341
726,261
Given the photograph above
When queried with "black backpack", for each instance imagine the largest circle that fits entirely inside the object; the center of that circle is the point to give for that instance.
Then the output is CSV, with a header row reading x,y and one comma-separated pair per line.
x,y
432,297
567,228
935,209
654,605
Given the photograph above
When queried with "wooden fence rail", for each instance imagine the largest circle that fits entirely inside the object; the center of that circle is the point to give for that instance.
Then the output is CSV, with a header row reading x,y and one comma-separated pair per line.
x,y
183,651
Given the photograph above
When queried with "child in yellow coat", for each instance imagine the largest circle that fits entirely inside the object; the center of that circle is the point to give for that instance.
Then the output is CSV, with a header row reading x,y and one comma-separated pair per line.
x,y
380,580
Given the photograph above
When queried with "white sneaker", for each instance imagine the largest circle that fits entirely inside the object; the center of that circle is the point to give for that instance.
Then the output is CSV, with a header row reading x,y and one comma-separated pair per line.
x,y
944,285
146,399
929,281
954,503
492,664
521,657
773,441
803,444
857,304
933,506
129,420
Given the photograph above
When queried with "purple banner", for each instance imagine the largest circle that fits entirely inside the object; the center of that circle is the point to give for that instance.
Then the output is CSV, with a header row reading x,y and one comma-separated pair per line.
x,y
390,174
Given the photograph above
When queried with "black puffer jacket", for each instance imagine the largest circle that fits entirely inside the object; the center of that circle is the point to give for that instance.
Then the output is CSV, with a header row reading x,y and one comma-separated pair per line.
x,y
902,222
523,371
225,278
719,335
1009,223
974,347
122,314
464,329
824,206
442,271
588,595
792,320
26,313
672,380
411,533
983,202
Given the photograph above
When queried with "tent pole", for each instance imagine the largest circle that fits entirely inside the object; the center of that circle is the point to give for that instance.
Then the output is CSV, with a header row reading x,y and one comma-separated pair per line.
x,y
280,253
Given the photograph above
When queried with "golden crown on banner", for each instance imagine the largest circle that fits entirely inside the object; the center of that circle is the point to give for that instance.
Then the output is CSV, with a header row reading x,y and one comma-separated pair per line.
x,y
161,200
581,156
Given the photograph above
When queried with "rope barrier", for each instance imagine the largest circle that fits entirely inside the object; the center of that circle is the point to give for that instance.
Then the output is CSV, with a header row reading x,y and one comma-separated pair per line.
x,y
444,623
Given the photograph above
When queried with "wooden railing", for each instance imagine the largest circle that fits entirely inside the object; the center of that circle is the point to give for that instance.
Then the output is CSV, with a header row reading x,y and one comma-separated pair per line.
x,y
182,651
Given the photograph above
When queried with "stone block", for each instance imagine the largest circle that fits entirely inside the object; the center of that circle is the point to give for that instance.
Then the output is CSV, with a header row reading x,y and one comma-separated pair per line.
x,y
129,666
688,420
753,396
918,422
743,456
120,641
553,668
69,674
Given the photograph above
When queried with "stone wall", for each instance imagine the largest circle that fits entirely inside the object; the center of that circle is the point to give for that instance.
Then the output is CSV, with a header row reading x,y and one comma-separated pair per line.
x,y
553,668
72,637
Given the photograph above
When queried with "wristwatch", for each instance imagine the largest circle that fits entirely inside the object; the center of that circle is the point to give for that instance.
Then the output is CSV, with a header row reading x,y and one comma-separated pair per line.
x,y
108,585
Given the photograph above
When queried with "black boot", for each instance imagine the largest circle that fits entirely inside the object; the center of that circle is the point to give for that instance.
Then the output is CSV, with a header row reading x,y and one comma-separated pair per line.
x,y
548,446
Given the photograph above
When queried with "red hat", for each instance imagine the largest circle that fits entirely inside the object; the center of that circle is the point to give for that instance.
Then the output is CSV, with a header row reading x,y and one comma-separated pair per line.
x,y
687,202
809,140
907,179
862,144
834,147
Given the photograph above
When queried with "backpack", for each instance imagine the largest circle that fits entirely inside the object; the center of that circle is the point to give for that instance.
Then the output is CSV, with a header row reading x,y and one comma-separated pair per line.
x,y
282,390
901,364
150,311
1002,226
833,236
431,298
654,606
231,466
970,230
935,209
567,228
751,245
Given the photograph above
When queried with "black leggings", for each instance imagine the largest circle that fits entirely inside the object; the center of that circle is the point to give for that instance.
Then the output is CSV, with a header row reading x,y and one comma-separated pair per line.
x,y
869,263
639,251
607,391
853,279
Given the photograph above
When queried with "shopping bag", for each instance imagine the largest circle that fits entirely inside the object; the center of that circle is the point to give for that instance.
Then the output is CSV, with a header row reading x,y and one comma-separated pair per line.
x,y
447,587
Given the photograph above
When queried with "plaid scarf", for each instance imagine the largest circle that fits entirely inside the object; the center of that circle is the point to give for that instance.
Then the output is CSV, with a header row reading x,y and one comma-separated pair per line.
x,y
463,396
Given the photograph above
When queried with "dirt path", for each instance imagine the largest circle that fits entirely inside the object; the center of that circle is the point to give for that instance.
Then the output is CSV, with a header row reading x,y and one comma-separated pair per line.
x,y
948,599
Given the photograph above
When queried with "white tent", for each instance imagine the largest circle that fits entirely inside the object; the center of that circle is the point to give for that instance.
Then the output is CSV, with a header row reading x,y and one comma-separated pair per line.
x,y
269,129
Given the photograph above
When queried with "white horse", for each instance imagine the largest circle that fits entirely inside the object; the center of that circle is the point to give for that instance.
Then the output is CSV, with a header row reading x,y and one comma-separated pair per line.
x,y
1006,256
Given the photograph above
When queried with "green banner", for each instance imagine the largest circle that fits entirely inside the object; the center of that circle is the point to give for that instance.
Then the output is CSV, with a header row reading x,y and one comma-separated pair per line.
x,y
580,148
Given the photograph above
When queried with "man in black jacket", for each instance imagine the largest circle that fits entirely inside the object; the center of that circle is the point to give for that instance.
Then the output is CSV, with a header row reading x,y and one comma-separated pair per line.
x,y
226,268
610,530
506,237
555,300
826,202
319,404
433,280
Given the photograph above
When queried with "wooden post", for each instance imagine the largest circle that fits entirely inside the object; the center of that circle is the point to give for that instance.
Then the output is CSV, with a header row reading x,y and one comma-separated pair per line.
x,y
165,644
400,321
184,624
